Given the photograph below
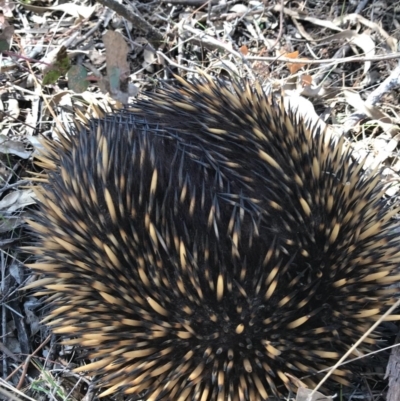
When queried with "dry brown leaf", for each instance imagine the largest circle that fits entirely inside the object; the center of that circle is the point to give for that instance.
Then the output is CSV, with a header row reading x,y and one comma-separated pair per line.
x,y
118,70
7,32
244,50
293,68
306,80
17,200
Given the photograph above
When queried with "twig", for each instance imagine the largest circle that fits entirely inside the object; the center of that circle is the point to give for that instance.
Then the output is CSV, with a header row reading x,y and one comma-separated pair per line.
x,y
209,40
367,333
391,82
361,6
194,3
280,27
389,56
152,34
91,31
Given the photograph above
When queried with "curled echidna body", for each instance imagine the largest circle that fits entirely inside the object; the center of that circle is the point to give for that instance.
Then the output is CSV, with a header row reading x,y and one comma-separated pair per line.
x,y
206,246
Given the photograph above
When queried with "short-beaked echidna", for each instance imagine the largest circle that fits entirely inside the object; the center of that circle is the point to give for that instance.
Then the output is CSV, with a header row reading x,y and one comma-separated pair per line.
x,y
208,246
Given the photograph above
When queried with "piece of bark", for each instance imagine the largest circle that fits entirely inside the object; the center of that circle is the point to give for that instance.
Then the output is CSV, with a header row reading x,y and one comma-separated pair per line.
x,y
393,373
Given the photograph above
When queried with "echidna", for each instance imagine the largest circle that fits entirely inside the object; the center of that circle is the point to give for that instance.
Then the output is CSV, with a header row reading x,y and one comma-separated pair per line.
x,y
207,246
